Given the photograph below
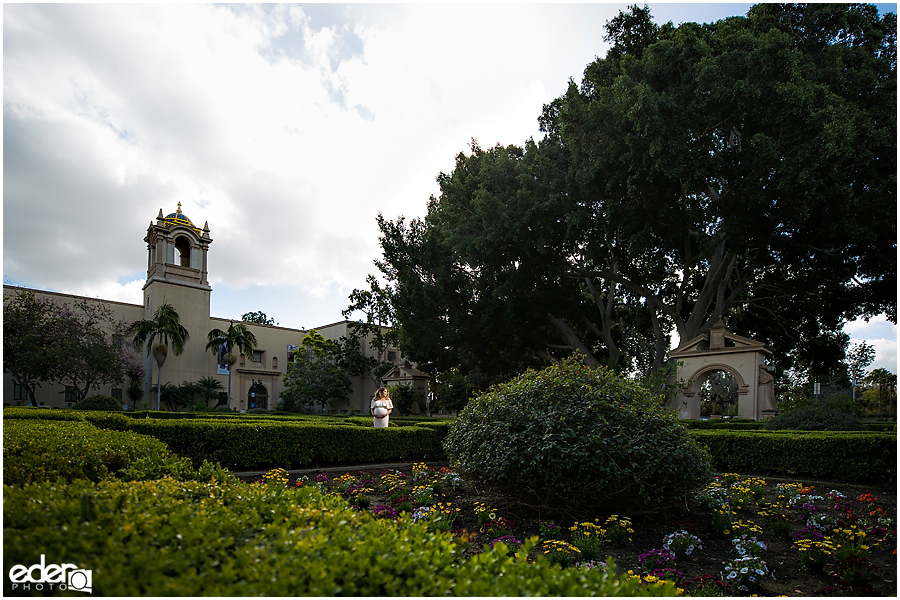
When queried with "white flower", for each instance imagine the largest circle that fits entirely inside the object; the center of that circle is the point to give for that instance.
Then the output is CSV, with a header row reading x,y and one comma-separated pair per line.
x,y
744,571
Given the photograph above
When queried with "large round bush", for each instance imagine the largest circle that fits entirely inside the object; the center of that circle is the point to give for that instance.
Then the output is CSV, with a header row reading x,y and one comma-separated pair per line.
x,y
570,436
99,402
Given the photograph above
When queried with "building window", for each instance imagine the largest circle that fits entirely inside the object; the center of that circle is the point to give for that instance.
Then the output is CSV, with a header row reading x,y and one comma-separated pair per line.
x,y
257,356
70,394
116,393
391,356
274,362
19,392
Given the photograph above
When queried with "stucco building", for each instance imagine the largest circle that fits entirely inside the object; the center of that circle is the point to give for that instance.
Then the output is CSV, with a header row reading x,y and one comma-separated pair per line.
x,y
177,273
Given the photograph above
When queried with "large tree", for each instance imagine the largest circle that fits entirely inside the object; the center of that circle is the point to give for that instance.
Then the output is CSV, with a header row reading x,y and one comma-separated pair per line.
x,y
742,169
29,338
156,334
77,345
314,374
89,350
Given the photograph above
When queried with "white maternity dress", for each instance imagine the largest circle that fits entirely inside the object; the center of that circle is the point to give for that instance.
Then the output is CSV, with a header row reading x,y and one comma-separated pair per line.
x,y
386,405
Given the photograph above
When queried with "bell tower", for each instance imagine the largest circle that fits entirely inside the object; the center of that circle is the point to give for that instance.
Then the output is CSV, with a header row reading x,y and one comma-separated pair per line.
x,y
177,275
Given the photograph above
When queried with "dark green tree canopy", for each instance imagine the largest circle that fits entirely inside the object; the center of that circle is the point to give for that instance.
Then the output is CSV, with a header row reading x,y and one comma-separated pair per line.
x,y
743,169
257,317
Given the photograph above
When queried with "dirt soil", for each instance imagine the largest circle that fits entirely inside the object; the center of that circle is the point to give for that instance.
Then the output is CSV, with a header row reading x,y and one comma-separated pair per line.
x,y
781,556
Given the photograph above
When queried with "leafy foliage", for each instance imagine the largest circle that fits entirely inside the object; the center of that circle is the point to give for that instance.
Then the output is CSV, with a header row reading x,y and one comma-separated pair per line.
x,y
848,456
42,450
98,402
404,397
814,417
185,538
575,436
157,333
73,344
740,168
315,376
258,317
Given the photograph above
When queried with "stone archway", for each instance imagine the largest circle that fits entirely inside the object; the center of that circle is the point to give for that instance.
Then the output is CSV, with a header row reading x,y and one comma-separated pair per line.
x,y
701,376
720,350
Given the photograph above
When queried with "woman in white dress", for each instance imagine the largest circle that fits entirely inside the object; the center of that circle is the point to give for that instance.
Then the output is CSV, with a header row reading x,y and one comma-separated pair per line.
x,y
381,408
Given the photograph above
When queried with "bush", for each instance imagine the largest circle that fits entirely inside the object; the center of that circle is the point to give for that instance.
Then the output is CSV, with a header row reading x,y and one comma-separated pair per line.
x,y
815,418
576,437
99,402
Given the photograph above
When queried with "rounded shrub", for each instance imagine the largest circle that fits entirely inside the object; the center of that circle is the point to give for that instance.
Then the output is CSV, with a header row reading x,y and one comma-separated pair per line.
x,y
99,402
815,418
576,437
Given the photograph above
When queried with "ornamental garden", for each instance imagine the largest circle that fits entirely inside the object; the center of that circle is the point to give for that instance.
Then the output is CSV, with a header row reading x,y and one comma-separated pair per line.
x,y
565,481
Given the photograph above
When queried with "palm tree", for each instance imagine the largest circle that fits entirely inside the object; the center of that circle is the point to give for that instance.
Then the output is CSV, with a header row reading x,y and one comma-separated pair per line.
x,y
209,388
164,327
236,335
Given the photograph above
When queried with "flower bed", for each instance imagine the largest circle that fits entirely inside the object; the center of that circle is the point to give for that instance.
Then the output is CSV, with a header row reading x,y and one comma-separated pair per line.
x,y
739,536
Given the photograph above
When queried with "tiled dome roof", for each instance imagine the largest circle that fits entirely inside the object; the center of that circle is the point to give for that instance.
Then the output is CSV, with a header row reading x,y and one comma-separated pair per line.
x,y
179,218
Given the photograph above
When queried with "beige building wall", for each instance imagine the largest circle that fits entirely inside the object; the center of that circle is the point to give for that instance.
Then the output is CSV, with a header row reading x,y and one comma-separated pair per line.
x,y
176,274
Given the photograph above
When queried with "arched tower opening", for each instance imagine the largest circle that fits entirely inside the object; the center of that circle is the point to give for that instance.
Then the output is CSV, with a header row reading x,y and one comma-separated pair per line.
x,y
182,251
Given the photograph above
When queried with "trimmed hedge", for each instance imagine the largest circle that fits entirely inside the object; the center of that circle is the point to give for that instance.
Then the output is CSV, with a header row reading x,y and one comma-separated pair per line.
x,y
731,425
171,538
45,450
844,456
18,412
261,444
880,426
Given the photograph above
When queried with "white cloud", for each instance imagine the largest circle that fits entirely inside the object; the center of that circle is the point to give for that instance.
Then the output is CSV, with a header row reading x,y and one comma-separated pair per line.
x,y
879,333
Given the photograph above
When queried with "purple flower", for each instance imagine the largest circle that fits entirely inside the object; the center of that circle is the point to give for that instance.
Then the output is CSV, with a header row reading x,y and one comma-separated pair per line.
x,y
512,543
384,512
657,558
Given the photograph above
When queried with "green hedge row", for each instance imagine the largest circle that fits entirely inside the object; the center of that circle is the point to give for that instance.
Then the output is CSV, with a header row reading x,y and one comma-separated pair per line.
x,y
749,425
261,445
44,450
729,424
172,538
40,450
850,457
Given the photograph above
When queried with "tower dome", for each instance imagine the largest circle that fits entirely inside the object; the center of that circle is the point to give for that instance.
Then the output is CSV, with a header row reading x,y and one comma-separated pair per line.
x,y
179,218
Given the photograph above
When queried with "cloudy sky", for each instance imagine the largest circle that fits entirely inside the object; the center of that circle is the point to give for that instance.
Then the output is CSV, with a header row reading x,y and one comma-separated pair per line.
x,y
286,128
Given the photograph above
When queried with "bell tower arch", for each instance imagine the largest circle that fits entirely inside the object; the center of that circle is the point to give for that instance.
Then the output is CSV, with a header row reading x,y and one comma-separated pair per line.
x,y
177,274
